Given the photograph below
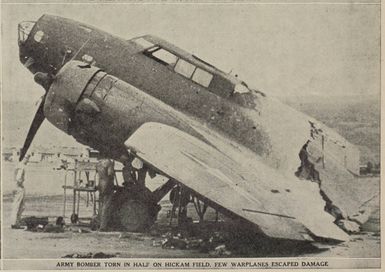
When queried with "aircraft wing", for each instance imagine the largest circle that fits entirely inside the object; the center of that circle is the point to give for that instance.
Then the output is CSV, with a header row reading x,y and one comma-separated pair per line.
x,y
280,208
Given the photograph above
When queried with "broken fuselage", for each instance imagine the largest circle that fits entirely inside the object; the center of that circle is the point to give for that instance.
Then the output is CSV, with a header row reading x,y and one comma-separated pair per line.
x,y
131,82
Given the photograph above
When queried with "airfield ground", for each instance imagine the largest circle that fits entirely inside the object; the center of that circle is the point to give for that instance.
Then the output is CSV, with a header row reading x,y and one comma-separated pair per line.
x,y
25,244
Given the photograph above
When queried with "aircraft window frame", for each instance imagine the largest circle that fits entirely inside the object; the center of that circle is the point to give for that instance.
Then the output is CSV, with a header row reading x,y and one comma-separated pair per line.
x,y
152,49
23,36
206,80
191,73
24,30
143,43
165,60
186,73
38,36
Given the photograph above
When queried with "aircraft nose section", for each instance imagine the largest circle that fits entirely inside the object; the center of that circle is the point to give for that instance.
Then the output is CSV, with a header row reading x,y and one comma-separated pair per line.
x,y
24,29
26,51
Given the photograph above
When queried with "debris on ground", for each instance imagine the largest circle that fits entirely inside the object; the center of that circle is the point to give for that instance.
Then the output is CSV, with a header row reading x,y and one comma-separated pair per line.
x,y
53,228
77,229
34,223
202,240
90,255
194,243
349,226
41,224
361,217
18,227
132,235
174,243
180,240
367,212
219,251
58,227
101,255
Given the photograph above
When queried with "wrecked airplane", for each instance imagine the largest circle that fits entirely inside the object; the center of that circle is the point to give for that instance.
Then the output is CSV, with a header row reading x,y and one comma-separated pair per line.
x,y
231,146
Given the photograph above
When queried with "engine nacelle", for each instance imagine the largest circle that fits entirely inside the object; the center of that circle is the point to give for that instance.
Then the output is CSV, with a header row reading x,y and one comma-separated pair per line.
x,y
65,92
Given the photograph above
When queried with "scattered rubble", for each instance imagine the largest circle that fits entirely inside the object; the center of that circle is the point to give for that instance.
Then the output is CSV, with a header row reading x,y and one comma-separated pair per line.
x,y
349,226
90,255
53,228
366,209
201,238
174,242
34,223
41,224
220,251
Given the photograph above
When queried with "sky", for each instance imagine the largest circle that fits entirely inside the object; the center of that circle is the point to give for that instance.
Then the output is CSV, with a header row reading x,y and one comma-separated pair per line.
x,y
281,49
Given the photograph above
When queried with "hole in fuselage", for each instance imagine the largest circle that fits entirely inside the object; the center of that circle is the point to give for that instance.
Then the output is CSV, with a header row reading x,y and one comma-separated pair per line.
x,y
307,169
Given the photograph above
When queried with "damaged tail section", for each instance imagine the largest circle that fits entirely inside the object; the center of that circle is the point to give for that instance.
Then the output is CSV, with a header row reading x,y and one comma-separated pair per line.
x,y
308,150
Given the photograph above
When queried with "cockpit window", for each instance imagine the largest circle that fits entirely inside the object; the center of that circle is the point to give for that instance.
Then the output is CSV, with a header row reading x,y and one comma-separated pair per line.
x,y
38,36
25,29
202,77
165,56
162,56
143,43
184,68
180,65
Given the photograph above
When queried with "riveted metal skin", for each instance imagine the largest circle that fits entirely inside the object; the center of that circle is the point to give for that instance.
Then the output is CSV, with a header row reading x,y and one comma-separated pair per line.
x,y
65,91
102,109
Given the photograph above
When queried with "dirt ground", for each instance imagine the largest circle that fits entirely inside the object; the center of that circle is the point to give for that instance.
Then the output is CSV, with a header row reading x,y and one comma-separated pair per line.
x,y
26,244
45,198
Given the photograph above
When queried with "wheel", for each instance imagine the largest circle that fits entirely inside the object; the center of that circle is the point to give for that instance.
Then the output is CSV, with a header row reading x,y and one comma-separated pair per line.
x,y
95,224
134,215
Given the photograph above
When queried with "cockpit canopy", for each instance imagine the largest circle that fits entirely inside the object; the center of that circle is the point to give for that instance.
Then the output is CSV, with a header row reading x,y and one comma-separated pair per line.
x,y
190,66
24,29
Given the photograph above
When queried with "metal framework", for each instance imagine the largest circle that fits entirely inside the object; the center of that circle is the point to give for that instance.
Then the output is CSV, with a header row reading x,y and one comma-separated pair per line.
x,y
82,182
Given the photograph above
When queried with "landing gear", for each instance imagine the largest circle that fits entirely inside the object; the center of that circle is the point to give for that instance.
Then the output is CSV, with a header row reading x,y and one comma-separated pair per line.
x,y
180,197
201,209
134,207
134,215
